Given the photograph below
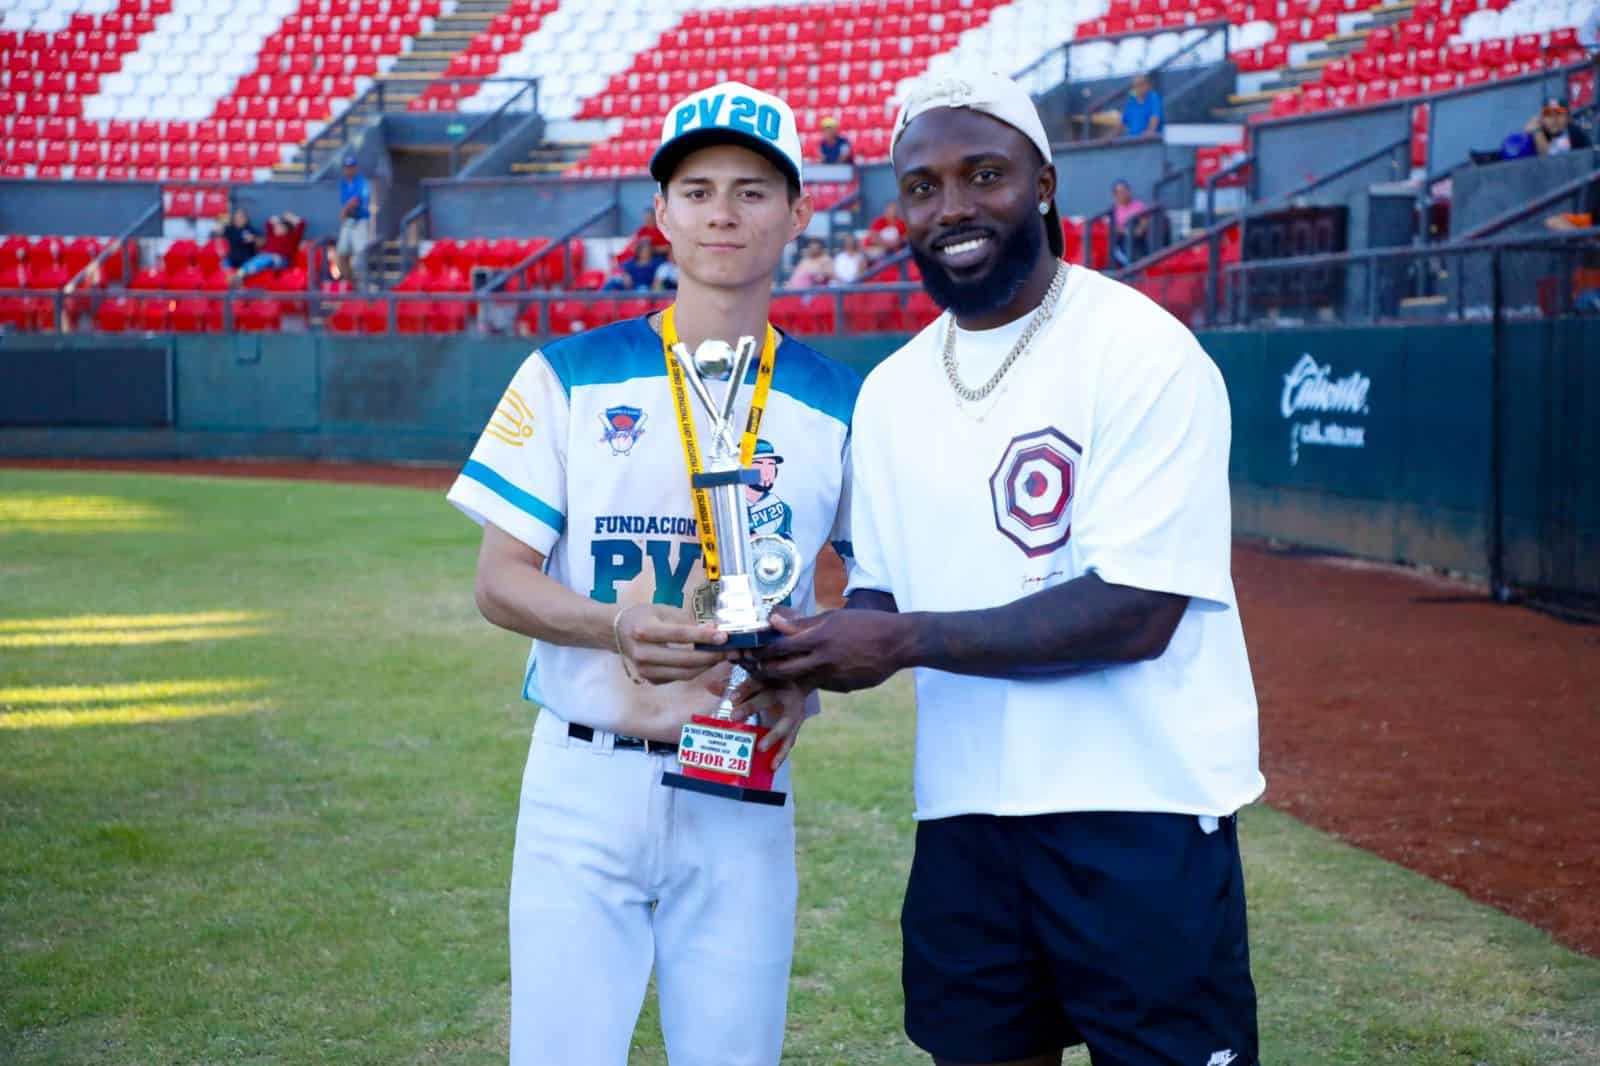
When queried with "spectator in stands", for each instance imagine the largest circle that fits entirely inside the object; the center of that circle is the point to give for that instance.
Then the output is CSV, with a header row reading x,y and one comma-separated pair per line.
x,y
242,238
849,262
639,270
1133,225
889,229
834,147
278,251
648,230
870,248
355,221
1143,115
666,279
814,269
1552,131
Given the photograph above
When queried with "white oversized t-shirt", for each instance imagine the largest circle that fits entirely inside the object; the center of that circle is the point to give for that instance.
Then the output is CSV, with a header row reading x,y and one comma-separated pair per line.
x,y
1105,450
582,462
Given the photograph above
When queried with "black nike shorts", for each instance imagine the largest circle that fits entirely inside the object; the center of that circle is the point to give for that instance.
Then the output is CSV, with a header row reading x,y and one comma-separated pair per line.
x,y
1122,931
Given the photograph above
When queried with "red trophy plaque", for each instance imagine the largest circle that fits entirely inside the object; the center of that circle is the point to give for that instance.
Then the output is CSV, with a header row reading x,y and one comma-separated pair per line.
x,y
721,756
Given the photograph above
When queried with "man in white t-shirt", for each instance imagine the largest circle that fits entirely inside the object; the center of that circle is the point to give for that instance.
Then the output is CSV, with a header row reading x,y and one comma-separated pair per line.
x,y
1041,530
591,547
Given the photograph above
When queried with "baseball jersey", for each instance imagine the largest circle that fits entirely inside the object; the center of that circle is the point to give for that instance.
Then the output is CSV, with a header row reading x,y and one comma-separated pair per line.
x,y
582,462
1104,450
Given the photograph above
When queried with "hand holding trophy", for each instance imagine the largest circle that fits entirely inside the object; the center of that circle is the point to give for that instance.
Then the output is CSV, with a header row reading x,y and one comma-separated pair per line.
x,y
745,576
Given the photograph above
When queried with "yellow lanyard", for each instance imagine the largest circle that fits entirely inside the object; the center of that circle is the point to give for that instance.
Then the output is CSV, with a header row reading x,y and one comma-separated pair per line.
x,y
686,432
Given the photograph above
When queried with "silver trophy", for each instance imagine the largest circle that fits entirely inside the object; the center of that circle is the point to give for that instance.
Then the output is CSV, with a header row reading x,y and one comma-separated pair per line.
x,y
757,573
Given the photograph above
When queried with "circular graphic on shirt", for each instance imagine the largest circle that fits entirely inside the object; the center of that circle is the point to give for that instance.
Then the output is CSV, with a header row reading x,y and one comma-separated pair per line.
x,y
1032,490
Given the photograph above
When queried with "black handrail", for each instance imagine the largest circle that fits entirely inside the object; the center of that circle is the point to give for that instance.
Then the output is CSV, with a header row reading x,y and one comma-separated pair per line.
x,y
408,245
1110,215
1524,242
557,243
1216,179
888,262
119,243
529,85
1239,274
561,243
337,131
1217,228
1186,171
1538,203
1347,168
1211,236
318,302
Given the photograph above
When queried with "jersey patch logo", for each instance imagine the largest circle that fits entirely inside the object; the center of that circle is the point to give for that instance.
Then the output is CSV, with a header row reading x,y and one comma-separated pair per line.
x,y
512,421
622,427
1032,490
768,511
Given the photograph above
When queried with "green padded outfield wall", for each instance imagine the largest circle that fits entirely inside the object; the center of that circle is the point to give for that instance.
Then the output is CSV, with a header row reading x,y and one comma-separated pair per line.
x,y
1378,442
310,396
1375,442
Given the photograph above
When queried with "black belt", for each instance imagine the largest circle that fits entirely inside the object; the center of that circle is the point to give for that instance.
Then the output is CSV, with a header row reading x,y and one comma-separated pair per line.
x,y
649,747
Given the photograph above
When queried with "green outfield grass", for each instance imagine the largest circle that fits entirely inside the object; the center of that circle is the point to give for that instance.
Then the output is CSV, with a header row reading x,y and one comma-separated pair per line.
x,y
258,767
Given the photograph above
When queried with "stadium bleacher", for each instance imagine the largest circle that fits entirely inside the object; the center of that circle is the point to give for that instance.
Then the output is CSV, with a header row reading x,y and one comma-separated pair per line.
x,y
484,55
199,95
1433,51
164,90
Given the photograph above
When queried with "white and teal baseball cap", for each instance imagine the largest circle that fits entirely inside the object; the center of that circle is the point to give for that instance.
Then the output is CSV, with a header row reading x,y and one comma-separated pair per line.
x,y
730,113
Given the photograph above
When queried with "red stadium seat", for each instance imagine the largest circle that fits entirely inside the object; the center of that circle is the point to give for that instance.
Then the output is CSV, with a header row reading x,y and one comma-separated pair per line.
x,y
375,317
257,316
411,316
179,256
346,317
178,203
115,314
153,314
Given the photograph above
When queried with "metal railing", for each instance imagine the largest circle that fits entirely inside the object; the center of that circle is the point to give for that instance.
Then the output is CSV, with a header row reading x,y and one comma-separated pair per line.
x,y
335,138
414,229
117,244
489,128
857,308
1541,202
524,272
1459,282
895,262
1212,236
322,149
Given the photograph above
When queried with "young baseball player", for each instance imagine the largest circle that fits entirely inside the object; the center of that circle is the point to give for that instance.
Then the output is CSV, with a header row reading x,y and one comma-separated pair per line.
x,y
1086,721
590,546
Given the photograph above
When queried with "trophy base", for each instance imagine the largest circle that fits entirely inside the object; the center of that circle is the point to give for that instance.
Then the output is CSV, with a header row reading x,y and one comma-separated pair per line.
x,y
717,757
742,793
754,638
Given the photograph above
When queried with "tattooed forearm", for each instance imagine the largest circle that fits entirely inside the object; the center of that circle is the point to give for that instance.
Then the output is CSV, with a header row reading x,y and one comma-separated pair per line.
x,y
1080,625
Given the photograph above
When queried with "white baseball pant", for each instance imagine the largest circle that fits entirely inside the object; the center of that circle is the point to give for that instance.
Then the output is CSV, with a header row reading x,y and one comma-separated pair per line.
x,y
614,872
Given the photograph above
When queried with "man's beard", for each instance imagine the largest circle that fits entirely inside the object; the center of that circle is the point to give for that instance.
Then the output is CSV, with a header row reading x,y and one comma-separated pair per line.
x,y
994,290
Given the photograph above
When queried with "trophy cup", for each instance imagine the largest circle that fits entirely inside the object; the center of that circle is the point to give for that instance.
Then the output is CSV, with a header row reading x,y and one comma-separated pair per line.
x,y
718,754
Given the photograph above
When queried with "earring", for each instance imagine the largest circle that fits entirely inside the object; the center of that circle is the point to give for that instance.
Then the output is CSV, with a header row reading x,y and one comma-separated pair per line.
x,y
1044,208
